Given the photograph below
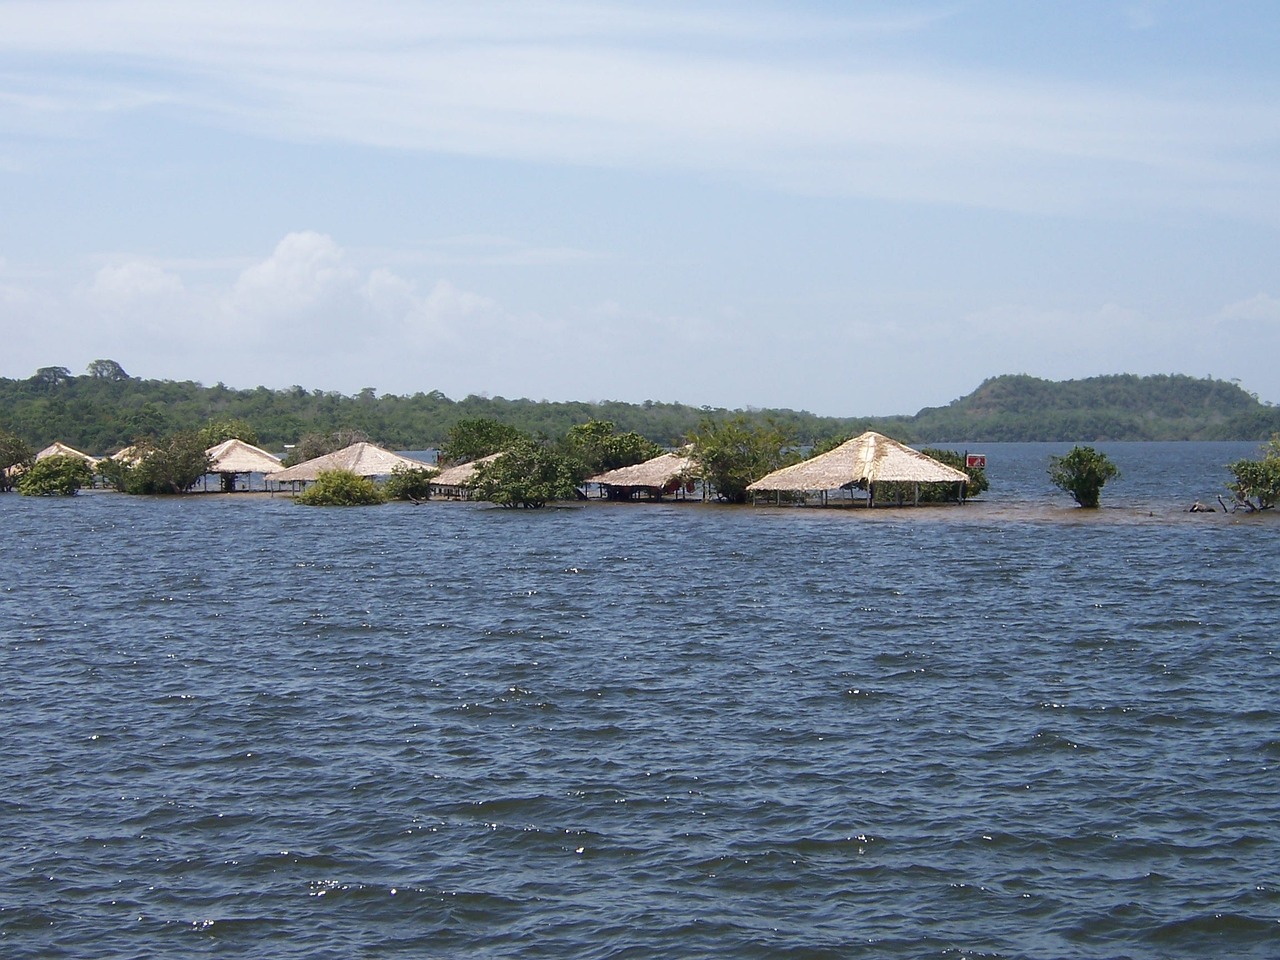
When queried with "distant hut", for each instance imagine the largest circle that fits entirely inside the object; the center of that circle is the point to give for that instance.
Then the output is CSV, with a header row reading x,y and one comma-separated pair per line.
x,y
454,483
861,463
129,455
233,458
59,449
665,474
363,459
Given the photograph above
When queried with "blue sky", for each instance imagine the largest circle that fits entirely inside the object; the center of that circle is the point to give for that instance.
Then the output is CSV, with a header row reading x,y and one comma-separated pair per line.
x,y
850,208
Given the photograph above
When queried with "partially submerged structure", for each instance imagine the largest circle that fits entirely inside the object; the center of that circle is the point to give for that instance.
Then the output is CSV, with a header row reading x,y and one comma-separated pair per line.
x,y
363,459
665,474
60,449
861,464
234,458
454,483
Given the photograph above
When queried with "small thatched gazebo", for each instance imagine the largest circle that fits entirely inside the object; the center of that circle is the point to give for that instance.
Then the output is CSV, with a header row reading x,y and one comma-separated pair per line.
x,y
232,458
666,473
454,483
363,459
60,449
861,462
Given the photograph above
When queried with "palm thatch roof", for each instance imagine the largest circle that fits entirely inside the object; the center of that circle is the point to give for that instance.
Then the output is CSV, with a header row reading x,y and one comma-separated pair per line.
x,y
60,449
127,454
363,459
462,474
869,458
658,472
236,456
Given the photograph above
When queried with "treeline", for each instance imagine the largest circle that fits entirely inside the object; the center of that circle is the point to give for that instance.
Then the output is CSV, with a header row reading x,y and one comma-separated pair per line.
x,y
105,409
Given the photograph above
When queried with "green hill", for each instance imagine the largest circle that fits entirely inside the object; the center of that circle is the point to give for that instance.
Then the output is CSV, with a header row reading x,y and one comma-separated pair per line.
x,y
1120,407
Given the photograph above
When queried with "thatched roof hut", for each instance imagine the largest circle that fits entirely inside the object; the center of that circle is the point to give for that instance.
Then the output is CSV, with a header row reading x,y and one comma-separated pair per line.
x,y
236,456
453,482
233,457
60,449
363,459
662,474
863,461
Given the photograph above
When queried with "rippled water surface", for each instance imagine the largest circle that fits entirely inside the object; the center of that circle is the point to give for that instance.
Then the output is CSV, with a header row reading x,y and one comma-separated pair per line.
x,y
236,726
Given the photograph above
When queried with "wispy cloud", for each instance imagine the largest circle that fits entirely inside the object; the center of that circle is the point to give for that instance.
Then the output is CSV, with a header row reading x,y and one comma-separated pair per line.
x,y
758,93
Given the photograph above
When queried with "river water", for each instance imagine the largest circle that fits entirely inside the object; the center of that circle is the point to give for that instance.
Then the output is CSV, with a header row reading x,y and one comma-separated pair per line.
x,y
235,726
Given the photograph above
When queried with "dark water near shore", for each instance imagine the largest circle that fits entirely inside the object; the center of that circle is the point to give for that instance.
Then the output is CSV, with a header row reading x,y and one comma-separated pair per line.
x,y
234,726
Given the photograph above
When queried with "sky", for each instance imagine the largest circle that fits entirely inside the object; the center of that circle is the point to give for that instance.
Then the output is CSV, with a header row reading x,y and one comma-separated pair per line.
x,y
852,208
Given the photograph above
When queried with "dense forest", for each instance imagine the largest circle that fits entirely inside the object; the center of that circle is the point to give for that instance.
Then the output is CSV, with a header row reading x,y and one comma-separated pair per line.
x,y
105,408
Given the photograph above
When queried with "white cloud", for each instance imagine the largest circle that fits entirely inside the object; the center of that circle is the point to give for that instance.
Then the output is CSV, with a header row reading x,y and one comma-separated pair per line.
x,y
1260,311
306,274
790,98
124,286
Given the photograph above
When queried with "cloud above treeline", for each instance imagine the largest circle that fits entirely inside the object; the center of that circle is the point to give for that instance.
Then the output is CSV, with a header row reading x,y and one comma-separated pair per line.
x,y
314,314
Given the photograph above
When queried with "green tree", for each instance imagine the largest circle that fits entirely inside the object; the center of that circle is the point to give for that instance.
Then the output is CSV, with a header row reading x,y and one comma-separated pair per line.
x,y
59,476
1257,482
599,447
526,475
409,483
169,466
341,488
1082,472
477,437
15,456
215,432
734,453
106,370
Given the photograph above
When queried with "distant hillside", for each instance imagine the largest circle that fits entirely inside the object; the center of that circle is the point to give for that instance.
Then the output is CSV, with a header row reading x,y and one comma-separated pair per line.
x,y
1120,407
106,408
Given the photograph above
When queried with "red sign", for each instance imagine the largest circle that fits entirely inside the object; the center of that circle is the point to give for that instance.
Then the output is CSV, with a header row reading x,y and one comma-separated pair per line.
x,y
978,460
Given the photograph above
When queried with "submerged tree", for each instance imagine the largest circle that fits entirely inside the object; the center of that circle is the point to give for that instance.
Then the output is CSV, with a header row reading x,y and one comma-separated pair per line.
x,y
1257,482
526,475
734,453
409,483
1082,472
598,447
172,465
58,476
15,456
477,437
341,488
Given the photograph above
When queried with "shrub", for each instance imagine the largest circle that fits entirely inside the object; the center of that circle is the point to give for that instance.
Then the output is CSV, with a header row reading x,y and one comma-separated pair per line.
x,y
409,483
55,477
1257,482
526,475
341,488
174,465
1082,472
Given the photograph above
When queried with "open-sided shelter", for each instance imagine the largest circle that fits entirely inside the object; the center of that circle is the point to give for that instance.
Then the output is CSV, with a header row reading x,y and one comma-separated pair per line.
x,y
454,483
666,473
862,462
233,458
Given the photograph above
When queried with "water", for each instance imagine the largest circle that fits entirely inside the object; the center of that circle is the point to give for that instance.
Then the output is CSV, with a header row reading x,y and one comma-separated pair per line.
x,y
234,726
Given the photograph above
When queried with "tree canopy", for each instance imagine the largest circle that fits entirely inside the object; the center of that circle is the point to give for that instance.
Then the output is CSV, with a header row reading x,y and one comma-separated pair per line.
x,y
1082,472
106,409
1256,483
